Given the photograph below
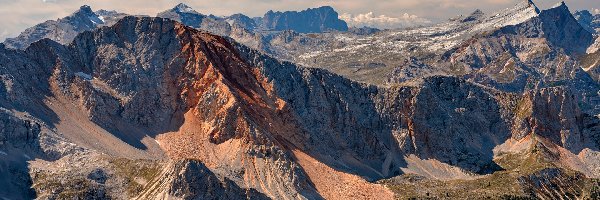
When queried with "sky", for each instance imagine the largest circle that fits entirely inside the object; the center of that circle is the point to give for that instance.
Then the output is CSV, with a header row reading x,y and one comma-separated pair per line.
x,y
17,15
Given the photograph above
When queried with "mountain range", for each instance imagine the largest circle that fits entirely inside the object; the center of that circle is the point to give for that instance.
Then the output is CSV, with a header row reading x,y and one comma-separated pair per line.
x,y
297,105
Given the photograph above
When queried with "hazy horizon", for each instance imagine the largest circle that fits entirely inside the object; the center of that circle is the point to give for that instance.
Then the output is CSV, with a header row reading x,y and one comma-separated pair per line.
x,y
17,15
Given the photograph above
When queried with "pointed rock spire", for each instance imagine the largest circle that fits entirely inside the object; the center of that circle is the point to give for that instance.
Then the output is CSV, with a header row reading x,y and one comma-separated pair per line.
x,y
85,9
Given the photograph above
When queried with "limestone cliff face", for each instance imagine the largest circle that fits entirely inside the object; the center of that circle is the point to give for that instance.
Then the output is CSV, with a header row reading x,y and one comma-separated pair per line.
x,y
551,113
470,120
376,127
313,20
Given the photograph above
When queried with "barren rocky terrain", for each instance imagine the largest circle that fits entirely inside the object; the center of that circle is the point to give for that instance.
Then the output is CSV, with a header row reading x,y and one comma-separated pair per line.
x,y
192,106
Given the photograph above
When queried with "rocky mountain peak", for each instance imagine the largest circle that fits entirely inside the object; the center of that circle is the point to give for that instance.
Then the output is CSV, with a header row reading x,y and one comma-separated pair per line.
x,y
189,17
530,4
517,14
85,13
312,20
182,8
476,15
242,20
562,29
85,9
62,30
323,9
560,8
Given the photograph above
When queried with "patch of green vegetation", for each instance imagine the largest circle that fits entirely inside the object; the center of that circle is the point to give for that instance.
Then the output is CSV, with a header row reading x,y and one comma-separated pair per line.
x,y
499,185
131,170
525,163
502,184
77,188
57,187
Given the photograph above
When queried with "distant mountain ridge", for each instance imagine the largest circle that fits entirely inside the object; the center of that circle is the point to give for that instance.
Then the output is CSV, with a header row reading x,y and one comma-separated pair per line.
x,y
188,16
313,20
589,21
65,29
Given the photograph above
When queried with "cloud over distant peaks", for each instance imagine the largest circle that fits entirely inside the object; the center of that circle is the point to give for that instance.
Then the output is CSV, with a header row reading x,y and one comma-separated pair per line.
x,y
595,11
383,21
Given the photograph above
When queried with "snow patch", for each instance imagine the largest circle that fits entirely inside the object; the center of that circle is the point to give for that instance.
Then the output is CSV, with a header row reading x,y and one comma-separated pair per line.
x,y
311,54
511,16
96,19
351,48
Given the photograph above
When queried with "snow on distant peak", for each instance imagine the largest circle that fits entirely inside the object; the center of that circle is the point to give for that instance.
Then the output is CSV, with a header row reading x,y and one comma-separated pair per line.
x,y
96,19
520,13
184,8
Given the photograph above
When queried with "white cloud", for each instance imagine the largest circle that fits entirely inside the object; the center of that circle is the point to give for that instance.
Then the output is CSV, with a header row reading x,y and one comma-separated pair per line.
x,y
383,21
595,11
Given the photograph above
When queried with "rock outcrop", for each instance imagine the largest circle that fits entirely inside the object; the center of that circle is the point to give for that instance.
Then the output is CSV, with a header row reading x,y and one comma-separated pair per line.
x,y
313,20
551,113
17,132
190,179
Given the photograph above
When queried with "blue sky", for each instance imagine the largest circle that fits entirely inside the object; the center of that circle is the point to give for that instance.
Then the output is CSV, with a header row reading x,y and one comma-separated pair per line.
x,y
16,15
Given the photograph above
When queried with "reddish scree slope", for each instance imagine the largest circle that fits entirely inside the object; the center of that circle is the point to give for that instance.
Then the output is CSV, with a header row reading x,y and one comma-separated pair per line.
x,y
235,123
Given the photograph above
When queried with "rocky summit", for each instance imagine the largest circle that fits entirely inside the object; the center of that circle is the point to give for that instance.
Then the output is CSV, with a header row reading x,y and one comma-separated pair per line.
x,y
295,105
